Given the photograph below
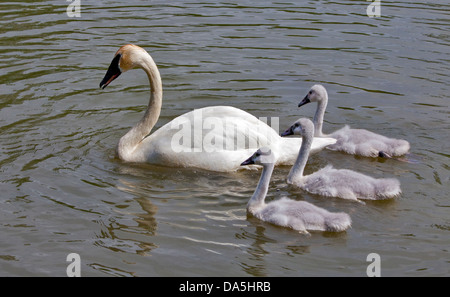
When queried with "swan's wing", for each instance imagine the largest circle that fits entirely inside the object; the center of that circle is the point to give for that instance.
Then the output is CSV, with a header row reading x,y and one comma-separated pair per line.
x,y
215,138
218,128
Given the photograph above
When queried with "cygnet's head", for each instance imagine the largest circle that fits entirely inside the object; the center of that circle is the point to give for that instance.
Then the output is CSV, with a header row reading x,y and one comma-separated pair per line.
x,y
262,156
303,126
317,93
127,57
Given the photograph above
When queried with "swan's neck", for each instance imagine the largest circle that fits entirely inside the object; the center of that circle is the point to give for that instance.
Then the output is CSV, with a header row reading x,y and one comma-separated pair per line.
x,y
296,172
260,193
129,142
318,117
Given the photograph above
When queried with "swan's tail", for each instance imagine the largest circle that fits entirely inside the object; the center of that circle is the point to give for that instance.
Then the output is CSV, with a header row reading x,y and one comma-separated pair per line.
x,y
401,147
387,188
338,222
395,148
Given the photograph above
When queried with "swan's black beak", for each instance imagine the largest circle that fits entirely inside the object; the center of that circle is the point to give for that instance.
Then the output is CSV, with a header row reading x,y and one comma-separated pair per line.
x,y
288,132
304,101
112,73
249,161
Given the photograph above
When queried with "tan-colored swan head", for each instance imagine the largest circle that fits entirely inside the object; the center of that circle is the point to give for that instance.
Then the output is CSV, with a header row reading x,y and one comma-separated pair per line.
x,y
127,57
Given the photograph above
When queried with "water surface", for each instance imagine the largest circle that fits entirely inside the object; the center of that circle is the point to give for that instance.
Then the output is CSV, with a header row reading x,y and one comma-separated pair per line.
x,y
63,190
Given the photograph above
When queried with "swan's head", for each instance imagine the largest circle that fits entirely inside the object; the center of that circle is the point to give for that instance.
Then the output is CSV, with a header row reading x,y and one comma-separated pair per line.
x,y
302,127
127,57
262,156
317,93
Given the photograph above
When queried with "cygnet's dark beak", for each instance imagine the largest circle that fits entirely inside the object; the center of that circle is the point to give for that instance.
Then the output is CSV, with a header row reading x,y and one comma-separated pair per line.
x,y
112,73
249,161
304,101
288,132
382,154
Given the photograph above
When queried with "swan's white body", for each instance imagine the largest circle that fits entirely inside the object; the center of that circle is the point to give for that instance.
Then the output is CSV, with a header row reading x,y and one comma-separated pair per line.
x,y
330,182
353,141
162,147
298,215
215,138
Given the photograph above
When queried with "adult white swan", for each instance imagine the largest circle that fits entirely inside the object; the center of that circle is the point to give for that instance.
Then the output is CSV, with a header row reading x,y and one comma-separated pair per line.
x,y
330,182
298,215
353,141
215,138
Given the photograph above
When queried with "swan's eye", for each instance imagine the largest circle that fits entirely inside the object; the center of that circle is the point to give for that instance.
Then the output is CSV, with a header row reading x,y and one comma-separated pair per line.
x,y
310,92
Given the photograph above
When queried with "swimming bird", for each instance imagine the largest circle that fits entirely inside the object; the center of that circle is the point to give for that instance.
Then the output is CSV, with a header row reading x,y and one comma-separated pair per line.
x,y
330,182
298,215
353,141
215,138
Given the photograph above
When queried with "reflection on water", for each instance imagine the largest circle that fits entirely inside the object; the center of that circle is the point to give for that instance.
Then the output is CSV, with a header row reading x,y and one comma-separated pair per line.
x,y
64,191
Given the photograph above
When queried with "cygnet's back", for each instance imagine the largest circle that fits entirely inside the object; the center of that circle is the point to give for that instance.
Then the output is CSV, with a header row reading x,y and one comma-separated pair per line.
x,y
368,144
302,216
349,184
